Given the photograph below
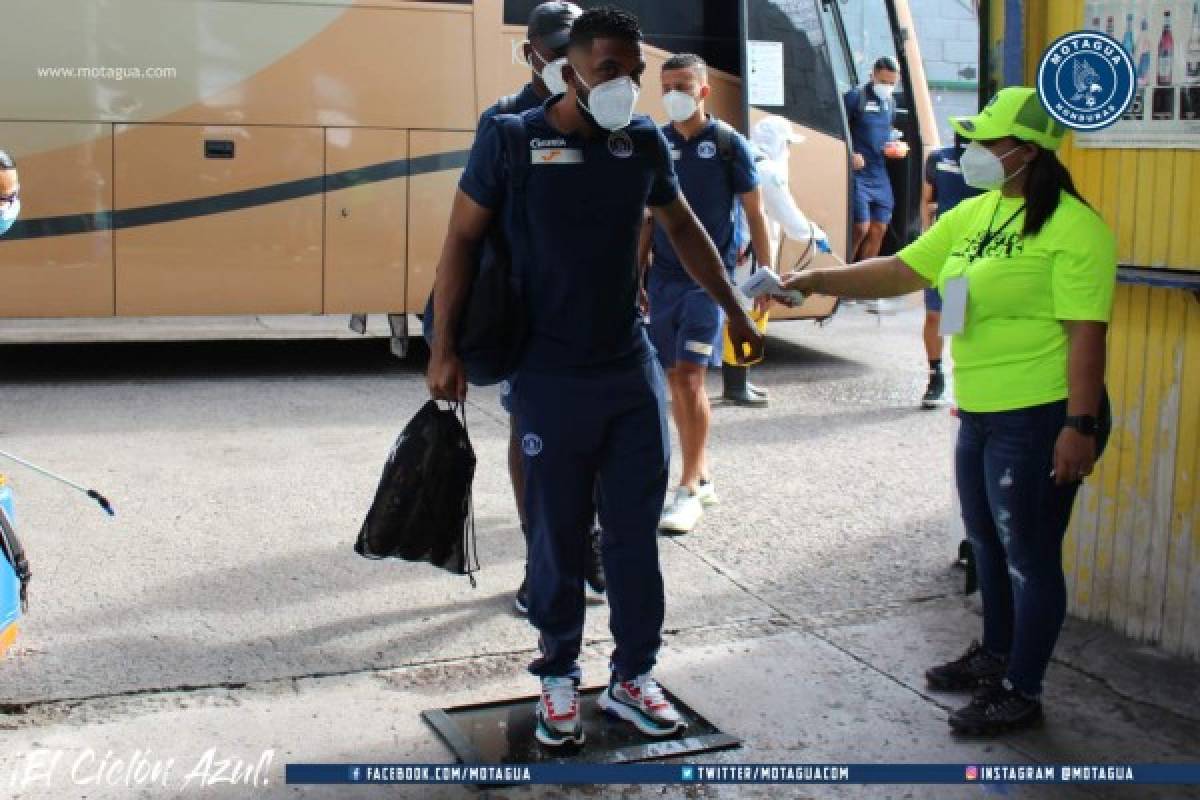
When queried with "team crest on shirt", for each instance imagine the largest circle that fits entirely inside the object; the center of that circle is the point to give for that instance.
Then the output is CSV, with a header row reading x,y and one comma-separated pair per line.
x,y
620,145
531,444
706,150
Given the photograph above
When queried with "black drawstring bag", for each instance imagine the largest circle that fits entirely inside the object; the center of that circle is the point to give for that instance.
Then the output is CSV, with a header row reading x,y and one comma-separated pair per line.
x,y
422,508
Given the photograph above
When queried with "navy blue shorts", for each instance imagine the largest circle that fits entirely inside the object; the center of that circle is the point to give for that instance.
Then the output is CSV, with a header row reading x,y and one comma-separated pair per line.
x,y
685,323
873,201
933,300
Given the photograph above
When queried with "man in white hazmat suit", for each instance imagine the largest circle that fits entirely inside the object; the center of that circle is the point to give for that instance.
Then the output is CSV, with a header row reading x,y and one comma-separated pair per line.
x,y
772,138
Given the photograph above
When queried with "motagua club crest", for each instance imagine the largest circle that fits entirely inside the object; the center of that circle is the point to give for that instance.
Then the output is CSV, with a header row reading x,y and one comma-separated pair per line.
x,y
1086,80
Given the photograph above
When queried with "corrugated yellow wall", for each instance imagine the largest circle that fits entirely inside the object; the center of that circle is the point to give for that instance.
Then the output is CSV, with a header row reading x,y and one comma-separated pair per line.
x,y
1133,554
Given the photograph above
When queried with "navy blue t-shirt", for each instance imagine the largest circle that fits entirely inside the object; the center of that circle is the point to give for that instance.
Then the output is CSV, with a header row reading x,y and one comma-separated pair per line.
x,y
871,122
944,173
577,250
526,99
711,187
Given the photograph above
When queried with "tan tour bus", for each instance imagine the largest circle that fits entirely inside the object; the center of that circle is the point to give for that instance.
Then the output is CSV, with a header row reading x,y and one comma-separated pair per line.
x,y
190,159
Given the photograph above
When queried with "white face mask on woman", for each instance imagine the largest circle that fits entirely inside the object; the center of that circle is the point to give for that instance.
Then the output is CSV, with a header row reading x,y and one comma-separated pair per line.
x,y
680,105
551,73
611,103
983,169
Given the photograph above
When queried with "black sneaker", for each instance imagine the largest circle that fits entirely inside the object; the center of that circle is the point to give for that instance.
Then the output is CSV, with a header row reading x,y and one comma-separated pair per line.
x,y
595,567
976,669
935,391
998,709
521,600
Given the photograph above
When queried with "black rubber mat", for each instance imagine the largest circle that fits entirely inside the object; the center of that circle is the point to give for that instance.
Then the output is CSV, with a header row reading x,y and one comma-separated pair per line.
x,y
501,732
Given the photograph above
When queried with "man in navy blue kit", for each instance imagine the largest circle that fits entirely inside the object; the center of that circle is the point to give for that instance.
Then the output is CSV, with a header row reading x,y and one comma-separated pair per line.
x,y
716,170
943,189
588,392
545,50
871,112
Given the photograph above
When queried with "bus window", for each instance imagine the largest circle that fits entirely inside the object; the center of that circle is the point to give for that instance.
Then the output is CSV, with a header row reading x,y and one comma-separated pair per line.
x,y
708,28
868,28
810,96
839,53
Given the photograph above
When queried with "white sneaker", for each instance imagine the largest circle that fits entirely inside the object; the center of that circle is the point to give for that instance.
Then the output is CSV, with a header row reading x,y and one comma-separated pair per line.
x,y
683,514
707,492
558,719
641,702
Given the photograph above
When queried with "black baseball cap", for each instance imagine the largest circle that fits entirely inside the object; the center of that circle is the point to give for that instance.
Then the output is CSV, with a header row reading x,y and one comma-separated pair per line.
x,y
551,22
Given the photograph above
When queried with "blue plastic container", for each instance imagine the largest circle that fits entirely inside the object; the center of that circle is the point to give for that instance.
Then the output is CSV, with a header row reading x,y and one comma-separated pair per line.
x,y
10,586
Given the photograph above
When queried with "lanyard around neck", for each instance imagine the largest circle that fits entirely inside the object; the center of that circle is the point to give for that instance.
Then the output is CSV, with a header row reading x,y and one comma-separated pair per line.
x,y
992,234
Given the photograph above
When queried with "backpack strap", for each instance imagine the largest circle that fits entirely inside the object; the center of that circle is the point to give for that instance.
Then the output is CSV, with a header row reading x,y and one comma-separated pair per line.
x,y
725,148
507,104
516,150
725,136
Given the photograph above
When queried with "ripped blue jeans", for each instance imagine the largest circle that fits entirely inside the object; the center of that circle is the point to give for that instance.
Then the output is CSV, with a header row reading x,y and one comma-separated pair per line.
x,y
1016,517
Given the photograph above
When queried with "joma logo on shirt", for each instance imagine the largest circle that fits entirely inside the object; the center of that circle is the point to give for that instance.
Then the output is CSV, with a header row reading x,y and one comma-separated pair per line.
x,y
557,155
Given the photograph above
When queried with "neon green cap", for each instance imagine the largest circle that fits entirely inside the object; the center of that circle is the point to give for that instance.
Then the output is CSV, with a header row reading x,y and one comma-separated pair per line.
x,y
1015,111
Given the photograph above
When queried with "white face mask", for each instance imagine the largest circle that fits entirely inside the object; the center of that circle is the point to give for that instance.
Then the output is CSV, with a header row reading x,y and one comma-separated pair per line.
x,y
611,103
551,73
883,90
983,169
680,105
9,215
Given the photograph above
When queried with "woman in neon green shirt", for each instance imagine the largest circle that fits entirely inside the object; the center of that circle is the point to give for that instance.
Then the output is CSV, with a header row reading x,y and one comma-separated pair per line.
x,y
1035,269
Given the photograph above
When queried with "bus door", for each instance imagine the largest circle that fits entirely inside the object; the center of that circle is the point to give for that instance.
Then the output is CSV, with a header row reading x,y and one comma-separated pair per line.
x,y
868,30
793,63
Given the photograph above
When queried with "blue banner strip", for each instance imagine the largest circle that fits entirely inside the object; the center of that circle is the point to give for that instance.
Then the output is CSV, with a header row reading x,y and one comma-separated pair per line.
x,y
515,774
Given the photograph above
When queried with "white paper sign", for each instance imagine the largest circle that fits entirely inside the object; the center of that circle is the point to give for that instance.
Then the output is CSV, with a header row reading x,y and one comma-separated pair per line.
x,y
765,61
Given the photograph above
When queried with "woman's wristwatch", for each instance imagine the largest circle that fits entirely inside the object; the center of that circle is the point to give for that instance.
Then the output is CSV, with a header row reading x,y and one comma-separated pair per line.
x,y
1084,423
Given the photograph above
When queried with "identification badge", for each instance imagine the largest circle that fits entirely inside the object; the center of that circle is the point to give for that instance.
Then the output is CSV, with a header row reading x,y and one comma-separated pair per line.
x,y
954,307
872,107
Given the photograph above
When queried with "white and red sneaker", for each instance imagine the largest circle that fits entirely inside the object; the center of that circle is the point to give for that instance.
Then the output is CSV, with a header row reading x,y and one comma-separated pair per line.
x,y
558,719
641,701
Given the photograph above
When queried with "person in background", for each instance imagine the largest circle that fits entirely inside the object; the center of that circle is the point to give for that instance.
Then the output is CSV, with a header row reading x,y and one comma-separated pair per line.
x,y
1037,267
588,394
942,190
736,386
716,172
545,51
10,193
770,140
871,113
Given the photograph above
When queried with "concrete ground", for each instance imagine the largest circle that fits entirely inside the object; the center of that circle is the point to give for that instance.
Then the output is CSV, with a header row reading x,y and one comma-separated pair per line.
x,y
224,606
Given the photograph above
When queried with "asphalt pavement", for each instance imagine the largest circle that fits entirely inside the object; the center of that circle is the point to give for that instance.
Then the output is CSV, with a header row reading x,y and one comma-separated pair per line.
x,y
224,606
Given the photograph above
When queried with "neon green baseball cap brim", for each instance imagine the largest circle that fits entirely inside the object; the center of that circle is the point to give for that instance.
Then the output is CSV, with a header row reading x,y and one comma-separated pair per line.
x,y
1015,111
